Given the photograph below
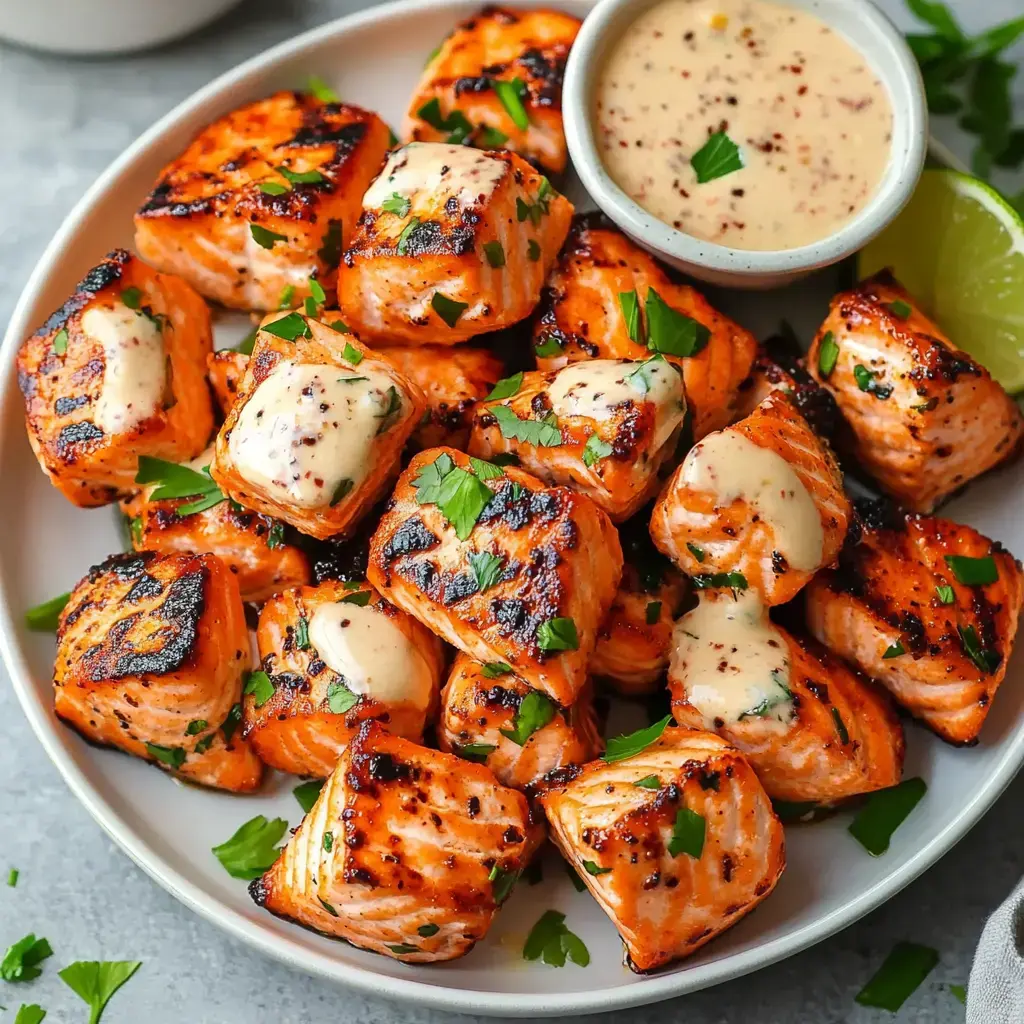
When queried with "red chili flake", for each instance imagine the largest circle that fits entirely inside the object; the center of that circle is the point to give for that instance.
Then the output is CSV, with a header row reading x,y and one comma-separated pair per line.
x,y
802,91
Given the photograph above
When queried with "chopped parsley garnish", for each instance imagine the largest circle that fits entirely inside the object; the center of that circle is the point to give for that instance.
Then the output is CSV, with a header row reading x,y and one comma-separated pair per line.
x,y
595,450
536,432
706,580
273,188
203,745
828,354
196,726
640,379
494,669
945,594
427,930
486,569
394,406
60,341
22,959
342,490
45,617
551,942
974,572
459,494
595,869
899,309
495,254
512,95
328,841
95,982
577,883
351,354
558,634
341,327
548,348
866,382
173,757
533,250
455,123
232,722
258,683
619,748
448,309
894,650
330,244
670,331
287,297
987,660
533,212
485,470
696,551
301,177
307,793
174,481
265,237
502,882
253,848
275,536
403,239
899,976
476,752
33,1013
330,910
248,343
653,613
321,90
12,878
302,634
648,782
490,138
688,833
360,598
959,993
401,948
288,327
841,730
629,303
883,812
534,712
718,157
340,698
316,291
396,204
506,387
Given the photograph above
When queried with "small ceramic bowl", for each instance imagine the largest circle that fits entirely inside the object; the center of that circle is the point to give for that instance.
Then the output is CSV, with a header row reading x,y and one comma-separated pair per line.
x,y
866,28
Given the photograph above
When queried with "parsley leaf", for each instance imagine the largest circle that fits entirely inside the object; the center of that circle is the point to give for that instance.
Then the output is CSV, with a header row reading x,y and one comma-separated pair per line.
x,y
22,959
534,712
460,495
448,309
883,812
735,580
619,748
340,698
265,237
511,95
232,722
426,930
494,669
899,309
360,598
629,303
307,793
697,552
301,177
33,1013
899,976
653,612
595,869
503,881
273,188
490,138
259,684
172,480
486,569
551,941
173,757
639,379
535,432
95,982
60,341
548,347
12,878
288,327
670,331
648,782
45,617
974,572
945,594
506,387
533,250
866,382
595,450
402,247
828,353
716,158
894,650
558,634
687,833
475,752
396,204
987,660
330,244
321,90
495,254
253,848
351,354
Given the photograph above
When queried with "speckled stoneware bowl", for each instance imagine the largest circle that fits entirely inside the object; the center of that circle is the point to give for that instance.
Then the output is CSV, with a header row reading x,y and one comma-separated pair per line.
x,y
869,31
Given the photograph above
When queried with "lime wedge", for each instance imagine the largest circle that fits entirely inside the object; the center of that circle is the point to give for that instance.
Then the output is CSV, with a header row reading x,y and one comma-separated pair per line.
x,y
958,248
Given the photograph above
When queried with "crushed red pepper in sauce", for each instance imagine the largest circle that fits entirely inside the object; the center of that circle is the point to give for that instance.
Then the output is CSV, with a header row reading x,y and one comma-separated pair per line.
x,y
811,119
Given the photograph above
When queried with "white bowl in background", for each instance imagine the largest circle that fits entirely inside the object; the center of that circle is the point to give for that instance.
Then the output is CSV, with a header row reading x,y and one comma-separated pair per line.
x,y
885,49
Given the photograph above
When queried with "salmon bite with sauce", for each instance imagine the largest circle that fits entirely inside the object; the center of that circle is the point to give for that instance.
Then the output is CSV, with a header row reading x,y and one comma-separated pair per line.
x,y
607,298
151,653
317,429
263,199
408,852
761,502
452,242
924,418
117,372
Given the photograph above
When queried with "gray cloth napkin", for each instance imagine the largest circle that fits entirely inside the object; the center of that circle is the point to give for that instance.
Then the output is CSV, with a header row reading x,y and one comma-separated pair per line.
x,y
995,993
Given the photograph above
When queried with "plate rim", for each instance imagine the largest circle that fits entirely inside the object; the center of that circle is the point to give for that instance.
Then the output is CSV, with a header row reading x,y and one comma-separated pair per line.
x,y
283,949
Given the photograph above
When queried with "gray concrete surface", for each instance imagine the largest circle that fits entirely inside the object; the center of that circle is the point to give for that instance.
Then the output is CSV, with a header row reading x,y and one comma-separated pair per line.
x,y
61,122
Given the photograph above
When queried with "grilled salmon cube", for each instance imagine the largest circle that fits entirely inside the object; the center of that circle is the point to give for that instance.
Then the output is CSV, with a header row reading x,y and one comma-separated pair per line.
x,y
408,852
502,567
604,427
337,655
317,428
454,380
582,316
761,502
252,546
452,242
924,418
496,82
926,606
676,842
491,717
635,639
117,372
261,200
812,729
151,651
224,371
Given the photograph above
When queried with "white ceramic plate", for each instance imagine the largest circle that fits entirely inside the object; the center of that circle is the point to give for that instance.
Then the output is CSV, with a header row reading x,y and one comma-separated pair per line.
x,y
373,59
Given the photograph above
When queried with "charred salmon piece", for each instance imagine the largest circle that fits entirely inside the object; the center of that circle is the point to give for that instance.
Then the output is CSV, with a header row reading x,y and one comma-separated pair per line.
x,y
151,651
254,547
408,852
775,369
676,843
635,639
604,427
452,242
502,567
761,502
454,380
525,53
581,316
317,429
812,729
924,418
491,717
117,372
224,371
261,199
336,655
926,606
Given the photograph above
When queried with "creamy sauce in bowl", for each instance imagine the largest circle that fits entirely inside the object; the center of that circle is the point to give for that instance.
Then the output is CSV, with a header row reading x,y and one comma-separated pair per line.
x,y
689,80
